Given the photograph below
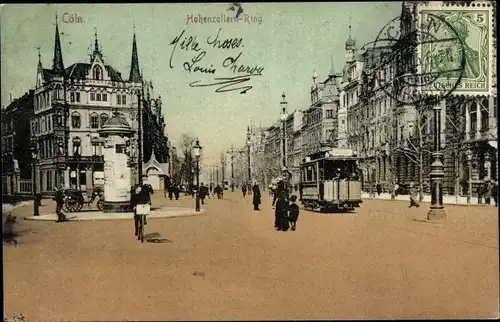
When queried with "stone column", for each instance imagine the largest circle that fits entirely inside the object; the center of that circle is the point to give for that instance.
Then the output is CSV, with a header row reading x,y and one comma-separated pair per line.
x,y
487,166
467,122
478,123
67,178
89,178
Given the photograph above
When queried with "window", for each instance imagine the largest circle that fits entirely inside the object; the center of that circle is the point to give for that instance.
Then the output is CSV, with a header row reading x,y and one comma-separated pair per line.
x,y
104,118
75,120
105,97
94,121
96,148
97,73
77,97
44,124
329,114
92,96
72,97
495,107
98,96
473,121
485,119
49,125
124,99
76,146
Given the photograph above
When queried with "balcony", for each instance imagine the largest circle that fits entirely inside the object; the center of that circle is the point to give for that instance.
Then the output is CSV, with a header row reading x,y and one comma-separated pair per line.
x,y
84,159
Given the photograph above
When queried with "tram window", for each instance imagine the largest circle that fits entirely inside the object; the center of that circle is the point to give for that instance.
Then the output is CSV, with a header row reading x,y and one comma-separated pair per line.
x,y
309,173
314,176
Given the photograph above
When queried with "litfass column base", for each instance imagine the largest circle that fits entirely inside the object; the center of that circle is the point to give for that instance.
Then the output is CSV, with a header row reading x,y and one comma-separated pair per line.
x,y
436,214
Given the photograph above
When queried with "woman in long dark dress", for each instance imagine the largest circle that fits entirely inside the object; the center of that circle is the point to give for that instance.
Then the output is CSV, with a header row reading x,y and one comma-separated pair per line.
x,y
281,213
256,196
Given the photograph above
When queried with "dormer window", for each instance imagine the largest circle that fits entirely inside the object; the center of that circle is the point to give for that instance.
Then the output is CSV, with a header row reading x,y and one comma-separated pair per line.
x,y
97,73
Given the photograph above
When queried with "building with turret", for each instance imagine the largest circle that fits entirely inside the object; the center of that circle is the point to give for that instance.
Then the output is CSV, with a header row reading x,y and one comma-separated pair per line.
x,y
72,103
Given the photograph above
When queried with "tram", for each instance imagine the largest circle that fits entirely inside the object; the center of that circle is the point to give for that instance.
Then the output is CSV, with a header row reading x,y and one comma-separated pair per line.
x,y
329,180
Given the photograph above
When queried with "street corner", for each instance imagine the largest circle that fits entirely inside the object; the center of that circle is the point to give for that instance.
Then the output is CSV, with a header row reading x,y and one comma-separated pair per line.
x,y
161,212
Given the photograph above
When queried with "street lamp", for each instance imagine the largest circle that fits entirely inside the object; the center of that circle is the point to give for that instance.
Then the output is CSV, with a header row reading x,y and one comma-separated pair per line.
x,y
468,153
284,117
248,156
436,211
223,168
34,158
232,168
197,151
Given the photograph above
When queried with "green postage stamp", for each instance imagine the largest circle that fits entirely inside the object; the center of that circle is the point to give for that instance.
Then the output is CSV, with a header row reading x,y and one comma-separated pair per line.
x,y
455,47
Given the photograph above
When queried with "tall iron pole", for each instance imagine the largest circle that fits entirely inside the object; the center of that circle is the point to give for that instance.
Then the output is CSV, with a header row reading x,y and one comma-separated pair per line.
x,y
248,155
139,137
436,210
232,169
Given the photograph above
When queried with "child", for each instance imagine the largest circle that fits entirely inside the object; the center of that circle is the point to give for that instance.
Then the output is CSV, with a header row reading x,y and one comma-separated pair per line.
x,y
293,212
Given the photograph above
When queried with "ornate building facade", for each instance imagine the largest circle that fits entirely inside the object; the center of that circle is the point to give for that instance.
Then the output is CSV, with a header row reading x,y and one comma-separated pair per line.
x,y
72,103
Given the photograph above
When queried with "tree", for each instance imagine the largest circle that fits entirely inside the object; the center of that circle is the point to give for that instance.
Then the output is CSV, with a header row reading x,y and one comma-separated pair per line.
x,y
188,162
414,143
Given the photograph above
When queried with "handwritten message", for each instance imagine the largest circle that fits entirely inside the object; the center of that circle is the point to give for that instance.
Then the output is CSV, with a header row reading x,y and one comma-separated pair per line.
x,y
234,71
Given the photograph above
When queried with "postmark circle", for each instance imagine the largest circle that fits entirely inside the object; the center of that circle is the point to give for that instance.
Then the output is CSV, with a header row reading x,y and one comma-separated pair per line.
x,y
419,60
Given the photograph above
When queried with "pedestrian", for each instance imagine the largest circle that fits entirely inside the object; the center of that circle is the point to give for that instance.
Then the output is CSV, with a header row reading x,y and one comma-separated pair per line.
x,y
59,198
256,196
244,189
281,212
166,187
141,203
379,189
203,193
396,189
280,187
218,191
211,189
293,212
413,196
488,187
176,191
494,192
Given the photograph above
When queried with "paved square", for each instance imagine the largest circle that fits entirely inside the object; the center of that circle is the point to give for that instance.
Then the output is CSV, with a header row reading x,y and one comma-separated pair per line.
x,y
384,262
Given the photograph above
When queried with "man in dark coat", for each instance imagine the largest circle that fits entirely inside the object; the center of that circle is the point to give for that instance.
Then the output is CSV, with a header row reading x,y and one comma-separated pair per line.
x,y
166,187
256,196
281,212
211,189
59,198
244,189
218,191
203,193
176,191
280,187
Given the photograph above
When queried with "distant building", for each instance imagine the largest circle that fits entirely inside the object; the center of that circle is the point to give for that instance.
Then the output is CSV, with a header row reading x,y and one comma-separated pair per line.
x,y
16,154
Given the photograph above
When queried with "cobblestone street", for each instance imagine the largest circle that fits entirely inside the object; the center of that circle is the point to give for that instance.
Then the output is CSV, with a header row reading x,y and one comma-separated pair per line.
x,y
384,261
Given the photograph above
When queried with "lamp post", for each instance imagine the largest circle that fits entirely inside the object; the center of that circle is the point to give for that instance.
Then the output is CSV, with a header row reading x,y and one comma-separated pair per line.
x,y
436,211
223,169
34,158
283,118
232,168
248,159
468,153
197,151
139,137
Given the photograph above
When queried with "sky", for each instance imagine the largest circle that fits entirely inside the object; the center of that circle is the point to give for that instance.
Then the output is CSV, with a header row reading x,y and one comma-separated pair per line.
x,y
290,42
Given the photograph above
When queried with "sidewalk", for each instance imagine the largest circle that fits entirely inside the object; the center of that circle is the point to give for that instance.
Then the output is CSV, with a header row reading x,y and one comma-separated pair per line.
x,y
162,212
447,200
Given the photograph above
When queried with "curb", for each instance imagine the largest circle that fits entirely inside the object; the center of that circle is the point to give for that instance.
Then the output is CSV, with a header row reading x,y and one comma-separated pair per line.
x,y
428,202
77,219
